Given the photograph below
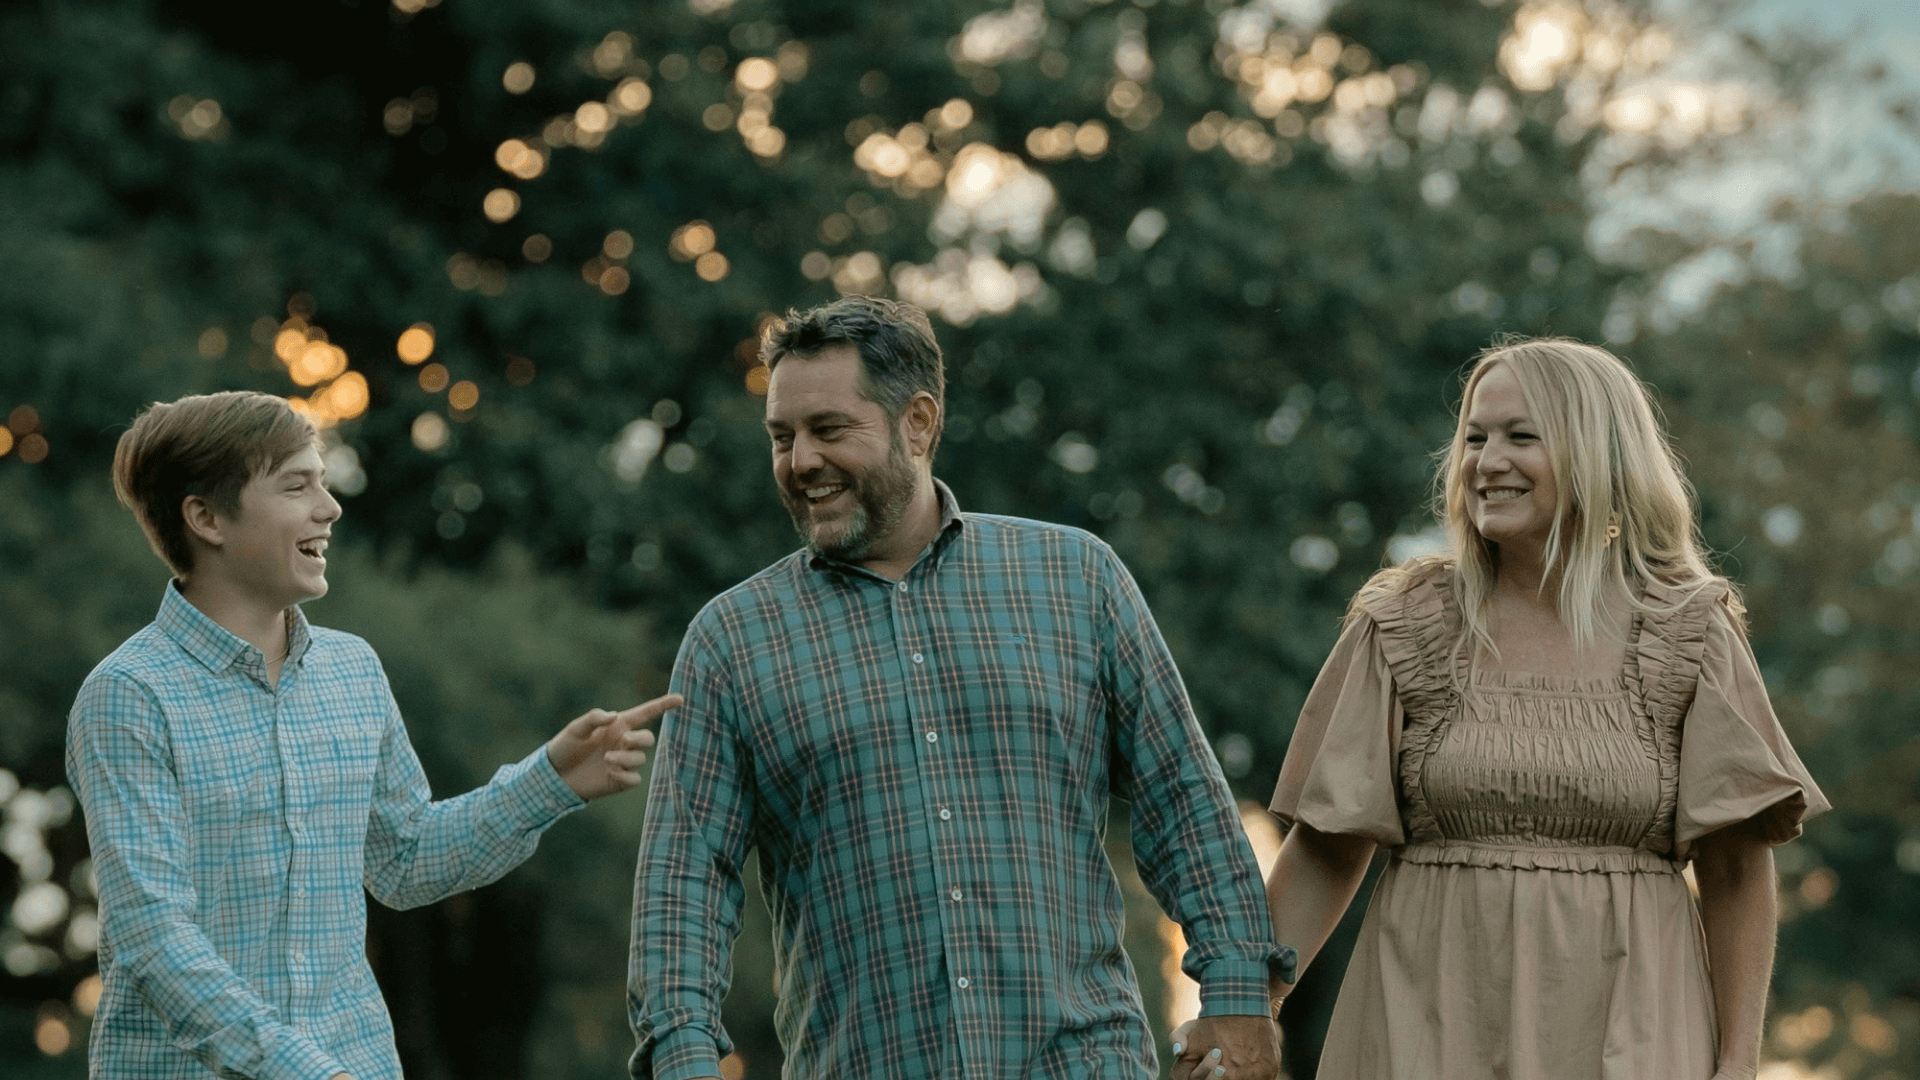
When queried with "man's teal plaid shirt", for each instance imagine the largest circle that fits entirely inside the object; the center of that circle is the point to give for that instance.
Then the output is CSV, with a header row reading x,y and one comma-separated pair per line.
x,y
924,766
236,829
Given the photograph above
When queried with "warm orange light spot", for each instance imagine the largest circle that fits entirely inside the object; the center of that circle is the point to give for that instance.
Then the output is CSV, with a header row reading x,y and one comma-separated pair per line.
x,y
518,78
712,266
344,398
288,343
6,442
692,240
615,280
213,343
767,142
631,96
593,118
316,363
756,73
434,378
500,205
758,377
52,1035
464,395
24,420
416,343
86,996
618,244
33,448
537,248
520,371
520,159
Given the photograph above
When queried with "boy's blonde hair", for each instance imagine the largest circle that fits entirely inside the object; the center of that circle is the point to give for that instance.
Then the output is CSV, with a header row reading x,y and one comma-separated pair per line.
x,y
208,445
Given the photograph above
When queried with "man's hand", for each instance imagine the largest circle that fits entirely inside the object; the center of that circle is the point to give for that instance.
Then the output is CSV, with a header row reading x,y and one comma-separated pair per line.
x,y
597,754
1226,1048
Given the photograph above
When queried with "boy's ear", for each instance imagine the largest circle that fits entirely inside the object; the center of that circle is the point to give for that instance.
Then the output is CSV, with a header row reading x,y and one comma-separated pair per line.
x,y
202,523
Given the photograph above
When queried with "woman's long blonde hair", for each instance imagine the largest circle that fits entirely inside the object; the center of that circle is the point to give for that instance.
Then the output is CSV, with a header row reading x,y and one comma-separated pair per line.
x,y
1613,465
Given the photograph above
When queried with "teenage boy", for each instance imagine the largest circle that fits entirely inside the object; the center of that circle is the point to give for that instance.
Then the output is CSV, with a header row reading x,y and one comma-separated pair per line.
x,y
246,777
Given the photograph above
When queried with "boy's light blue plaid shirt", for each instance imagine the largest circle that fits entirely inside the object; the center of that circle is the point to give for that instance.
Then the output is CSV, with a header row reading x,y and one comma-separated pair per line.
x,y
236,828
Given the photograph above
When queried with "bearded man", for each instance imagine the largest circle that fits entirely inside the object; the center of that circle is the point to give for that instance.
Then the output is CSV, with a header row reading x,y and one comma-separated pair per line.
x,y
918,720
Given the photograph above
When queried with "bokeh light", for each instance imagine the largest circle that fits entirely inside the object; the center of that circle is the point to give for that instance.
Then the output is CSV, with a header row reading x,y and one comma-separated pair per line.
x,y
520,158
618,244
434,378
212,343
536,248
631,97
416,343
692,240
429,432
463,396
711,266
756,73
500,205
518,78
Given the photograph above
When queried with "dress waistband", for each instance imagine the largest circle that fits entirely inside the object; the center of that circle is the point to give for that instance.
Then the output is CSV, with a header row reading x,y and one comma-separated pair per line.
x,y
1586,860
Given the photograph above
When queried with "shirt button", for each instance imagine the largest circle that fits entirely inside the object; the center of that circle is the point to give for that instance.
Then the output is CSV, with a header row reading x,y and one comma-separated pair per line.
x,y
299,957
946,815
919,659
301,893
955,894
933,736
903,586
962,982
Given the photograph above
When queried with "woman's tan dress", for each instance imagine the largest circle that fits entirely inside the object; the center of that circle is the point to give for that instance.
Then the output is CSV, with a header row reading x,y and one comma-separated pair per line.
x,y
1532,923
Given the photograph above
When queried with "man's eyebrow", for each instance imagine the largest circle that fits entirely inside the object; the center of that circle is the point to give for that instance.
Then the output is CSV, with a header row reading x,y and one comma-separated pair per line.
x,y
826,416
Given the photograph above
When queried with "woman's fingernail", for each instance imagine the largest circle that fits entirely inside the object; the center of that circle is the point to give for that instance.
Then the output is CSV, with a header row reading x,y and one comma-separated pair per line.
x,y
1177,1047
1220,1070
1216,1053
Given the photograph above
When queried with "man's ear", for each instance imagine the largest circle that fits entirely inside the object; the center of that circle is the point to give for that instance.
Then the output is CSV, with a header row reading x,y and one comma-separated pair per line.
x,y
920,421
202,523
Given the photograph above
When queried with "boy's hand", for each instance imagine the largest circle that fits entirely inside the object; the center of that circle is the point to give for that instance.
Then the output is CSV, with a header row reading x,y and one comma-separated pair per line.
x,y
597,754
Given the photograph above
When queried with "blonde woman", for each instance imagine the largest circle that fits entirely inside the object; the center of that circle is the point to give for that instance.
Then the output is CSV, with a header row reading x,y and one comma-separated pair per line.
x,y
1543,727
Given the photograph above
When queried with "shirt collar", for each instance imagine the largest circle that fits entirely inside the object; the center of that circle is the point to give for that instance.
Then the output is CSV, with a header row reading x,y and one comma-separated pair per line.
x,y
214,645
951,525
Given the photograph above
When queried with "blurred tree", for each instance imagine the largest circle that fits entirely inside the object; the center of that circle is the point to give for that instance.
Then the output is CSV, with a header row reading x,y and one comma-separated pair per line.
x,y
1204,273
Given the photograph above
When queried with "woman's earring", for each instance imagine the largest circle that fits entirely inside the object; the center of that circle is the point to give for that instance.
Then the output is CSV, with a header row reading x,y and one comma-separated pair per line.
x,y
1613,530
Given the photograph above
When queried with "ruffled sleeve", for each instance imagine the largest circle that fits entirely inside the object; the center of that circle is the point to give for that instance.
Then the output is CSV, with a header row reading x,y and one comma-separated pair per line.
x,y
1735,761
1339,773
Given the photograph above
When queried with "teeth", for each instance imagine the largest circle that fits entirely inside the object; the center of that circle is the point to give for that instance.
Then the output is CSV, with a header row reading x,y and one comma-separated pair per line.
x,y
1501,494
820,492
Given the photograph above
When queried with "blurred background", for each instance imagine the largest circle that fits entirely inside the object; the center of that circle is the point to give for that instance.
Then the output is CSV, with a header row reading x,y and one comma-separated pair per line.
x,y
1206,273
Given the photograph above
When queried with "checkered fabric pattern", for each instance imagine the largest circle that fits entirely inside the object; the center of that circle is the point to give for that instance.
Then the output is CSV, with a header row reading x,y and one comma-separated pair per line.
x,y
924,766
236,828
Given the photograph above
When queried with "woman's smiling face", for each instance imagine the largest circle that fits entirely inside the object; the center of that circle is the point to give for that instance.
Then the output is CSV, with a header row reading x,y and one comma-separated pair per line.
x,y
1511,494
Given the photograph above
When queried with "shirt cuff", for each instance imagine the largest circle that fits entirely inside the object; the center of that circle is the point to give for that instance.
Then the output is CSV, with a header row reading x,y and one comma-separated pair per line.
x,y
1238,987
685,1053
297,1058
535,791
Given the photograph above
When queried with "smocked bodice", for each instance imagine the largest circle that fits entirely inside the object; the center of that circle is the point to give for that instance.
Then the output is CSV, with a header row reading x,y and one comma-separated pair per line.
x,y
1533,760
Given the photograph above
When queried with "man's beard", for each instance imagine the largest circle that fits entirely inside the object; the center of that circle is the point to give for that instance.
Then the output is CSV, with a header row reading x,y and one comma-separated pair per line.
x,y
881,495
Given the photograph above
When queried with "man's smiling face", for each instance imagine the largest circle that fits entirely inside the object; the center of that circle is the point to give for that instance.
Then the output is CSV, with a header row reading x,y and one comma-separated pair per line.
x,y
842,469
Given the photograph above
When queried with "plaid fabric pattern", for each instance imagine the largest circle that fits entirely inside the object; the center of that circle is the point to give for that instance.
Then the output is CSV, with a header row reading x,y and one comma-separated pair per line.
x,y
236,828
924,766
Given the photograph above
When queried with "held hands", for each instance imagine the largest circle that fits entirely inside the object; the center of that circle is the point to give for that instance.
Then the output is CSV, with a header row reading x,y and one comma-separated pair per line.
x,y
1226,1048
597,754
